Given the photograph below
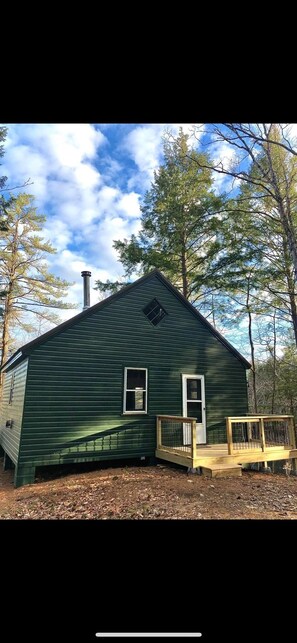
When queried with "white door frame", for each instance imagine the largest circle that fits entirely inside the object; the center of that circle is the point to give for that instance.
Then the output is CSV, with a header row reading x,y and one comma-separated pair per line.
x,y
201,426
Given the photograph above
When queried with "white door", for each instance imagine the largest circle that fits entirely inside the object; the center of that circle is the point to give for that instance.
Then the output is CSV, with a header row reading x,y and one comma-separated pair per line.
x,y
194,406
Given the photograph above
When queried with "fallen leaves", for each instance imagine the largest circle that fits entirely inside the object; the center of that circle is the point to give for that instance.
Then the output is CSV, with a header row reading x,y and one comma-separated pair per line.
x,y
161,492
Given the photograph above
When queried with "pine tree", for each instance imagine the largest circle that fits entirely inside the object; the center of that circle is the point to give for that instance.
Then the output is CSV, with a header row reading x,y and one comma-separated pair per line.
x,y
179,221
29,287
3,133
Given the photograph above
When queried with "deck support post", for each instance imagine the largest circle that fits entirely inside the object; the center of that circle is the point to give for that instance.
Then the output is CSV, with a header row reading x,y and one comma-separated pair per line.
x,y
193,440
294,464
159,437
292,435
229,435
249,431
262,434
292,432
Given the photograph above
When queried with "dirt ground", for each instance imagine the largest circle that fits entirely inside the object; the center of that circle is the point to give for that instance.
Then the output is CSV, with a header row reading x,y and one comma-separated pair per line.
x,y
159,492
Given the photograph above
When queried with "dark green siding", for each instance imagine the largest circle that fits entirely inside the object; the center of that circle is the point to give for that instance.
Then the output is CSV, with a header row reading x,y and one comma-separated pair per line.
x,y
10,436
74,395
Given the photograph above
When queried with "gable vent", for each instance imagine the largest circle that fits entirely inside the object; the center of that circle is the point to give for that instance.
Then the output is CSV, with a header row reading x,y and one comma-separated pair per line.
x,y
154,312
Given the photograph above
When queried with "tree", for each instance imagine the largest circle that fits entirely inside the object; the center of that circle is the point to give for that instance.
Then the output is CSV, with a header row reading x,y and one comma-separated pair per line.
x,y
29,287
3,179
3,206
3,132
277,391
108,287
4,202
179,221
262,219
272,154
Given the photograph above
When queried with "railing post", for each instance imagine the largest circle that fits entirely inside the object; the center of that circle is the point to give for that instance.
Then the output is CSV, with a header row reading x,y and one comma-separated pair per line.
x,y
193,440
229,436
263,443
292,432
159,435
249,431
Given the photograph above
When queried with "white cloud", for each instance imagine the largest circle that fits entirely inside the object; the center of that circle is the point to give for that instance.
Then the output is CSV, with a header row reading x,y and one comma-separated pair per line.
x,y
58,233
129,205
86,176
99,239
144,145
106,199
86,210
223,154
81,209
70,264
57,158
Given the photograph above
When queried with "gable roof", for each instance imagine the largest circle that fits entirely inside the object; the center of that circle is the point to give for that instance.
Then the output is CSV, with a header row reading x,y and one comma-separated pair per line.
x,y
25,350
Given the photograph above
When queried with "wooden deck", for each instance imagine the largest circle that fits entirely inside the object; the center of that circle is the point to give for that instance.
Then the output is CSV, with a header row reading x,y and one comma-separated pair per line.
x,y
264,442
218,454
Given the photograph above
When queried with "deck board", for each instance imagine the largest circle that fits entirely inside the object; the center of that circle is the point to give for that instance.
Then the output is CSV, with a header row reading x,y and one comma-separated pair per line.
x,y
218,454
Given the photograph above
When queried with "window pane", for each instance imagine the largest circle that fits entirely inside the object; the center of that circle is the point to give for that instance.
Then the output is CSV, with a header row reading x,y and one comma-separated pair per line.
x,y
156,315
195,410
135,401
154,312
139,400
130,401
193,389
135,378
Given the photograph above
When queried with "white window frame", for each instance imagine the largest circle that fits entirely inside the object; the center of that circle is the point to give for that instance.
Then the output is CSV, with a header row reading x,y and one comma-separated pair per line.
x,y
145,390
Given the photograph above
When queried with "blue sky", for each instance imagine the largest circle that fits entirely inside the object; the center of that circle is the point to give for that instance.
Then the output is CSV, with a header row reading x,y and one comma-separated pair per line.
x,y
88,180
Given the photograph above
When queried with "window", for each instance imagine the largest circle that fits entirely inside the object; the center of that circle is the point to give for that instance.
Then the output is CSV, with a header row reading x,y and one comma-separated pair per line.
x,y
11,392
135,390
154,312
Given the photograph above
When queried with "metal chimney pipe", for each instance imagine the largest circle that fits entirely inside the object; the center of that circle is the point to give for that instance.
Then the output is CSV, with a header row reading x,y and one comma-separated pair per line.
x,y
86,277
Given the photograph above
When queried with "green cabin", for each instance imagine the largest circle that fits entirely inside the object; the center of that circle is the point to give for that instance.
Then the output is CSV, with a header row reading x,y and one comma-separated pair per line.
x,y
91,388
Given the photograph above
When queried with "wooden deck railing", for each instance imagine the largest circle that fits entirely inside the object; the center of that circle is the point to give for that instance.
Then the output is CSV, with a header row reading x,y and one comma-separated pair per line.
x,y
177,434
253,433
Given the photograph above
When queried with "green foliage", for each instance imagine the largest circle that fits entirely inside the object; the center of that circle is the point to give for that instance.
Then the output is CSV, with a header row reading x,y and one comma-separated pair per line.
x,y
283,371
3,202
110,287
3,133
180,219
255,246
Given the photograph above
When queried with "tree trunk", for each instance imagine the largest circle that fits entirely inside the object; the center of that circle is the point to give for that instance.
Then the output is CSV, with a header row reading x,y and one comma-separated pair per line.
x,y
5,329
8,300
184,273
274,367
291,289
252,347
285,215
212,311
290,236
293,314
